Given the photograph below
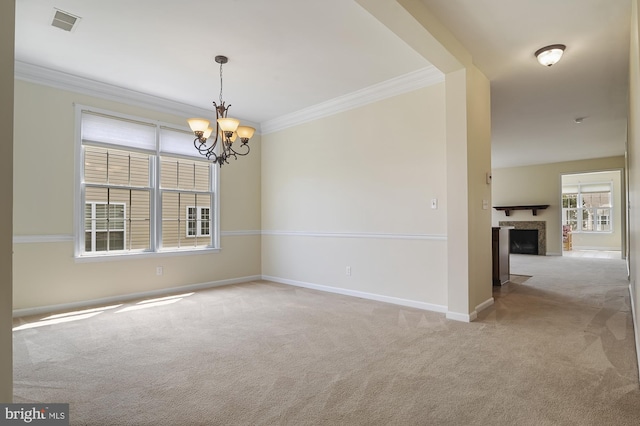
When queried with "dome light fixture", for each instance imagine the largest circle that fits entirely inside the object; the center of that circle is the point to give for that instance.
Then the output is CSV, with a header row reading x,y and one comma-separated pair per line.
x,y
550,55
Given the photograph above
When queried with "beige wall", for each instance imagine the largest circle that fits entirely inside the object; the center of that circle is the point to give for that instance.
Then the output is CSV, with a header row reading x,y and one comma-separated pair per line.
x,y
633,161
541,184
479,145
601,240
468,152
44,202
334,187
7,25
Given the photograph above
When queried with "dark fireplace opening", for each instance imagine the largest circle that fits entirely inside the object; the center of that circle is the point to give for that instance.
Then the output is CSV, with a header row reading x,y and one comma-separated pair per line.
x,y
523,241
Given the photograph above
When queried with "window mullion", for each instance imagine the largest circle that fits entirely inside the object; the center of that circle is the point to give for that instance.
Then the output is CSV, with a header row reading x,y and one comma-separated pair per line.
x,y
93,227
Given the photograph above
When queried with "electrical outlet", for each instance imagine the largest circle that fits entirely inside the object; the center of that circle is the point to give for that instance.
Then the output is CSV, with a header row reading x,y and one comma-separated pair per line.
x,y
348,271
159,270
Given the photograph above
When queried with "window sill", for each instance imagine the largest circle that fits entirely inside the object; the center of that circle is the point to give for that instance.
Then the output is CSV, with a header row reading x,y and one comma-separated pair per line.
x,y
88,258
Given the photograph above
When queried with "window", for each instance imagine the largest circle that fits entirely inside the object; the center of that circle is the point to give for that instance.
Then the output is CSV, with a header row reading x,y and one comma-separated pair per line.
x,y
587,207
185,185
143,188
117,182
104,226
198,221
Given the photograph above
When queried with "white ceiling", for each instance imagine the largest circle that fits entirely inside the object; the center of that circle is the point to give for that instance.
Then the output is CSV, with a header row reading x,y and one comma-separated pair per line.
x,y
534,107
286,55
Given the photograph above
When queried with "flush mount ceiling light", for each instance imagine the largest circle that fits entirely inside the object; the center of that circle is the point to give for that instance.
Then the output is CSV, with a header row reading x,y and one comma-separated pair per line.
x,y
227,130
550,55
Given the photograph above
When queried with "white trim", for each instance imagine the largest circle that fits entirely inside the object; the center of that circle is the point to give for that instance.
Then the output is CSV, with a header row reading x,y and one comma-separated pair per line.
x,y
484,305
405,83
125,297
240,233
64,81
456,316
356,235
363,295
31,239
25,239
131,255
634,316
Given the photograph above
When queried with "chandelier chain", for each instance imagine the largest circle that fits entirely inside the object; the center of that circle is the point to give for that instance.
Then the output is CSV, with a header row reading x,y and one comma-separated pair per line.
x,y
221,103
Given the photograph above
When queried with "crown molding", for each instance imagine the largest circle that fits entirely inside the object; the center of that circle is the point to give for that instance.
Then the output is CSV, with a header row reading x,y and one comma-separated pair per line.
x,y
61,80
405,83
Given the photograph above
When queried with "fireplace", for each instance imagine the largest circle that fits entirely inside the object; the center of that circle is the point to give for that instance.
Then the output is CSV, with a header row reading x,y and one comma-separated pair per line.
x,y
523,241
538,225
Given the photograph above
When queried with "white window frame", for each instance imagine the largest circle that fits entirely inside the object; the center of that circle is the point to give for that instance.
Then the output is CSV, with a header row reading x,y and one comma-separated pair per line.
x,y
93,219
579,209
198,221
155,208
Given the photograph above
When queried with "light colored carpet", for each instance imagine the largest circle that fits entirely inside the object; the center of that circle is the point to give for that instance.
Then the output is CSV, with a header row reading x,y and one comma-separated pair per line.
x,y
557,349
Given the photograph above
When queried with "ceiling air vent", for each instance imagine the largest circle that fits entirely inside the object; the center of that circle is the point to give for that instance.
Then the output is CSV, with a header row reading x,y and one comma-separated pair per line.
x,y
63,20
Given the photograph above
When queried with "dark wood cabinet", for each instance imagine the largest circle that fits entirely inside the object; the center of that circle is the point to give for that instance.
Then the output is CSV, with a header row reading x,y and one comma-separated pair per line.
x,y
500,249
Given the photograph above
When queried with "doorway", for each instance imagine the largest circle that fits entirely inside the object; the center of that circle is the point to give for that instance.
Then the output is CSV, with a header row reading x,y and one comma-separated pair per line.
x,y
593,219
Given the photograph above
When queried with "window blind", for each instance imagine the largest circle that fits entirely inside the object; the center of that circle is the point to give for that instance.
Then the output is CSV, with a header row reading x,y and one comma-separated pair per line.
x,y
173,141
116,131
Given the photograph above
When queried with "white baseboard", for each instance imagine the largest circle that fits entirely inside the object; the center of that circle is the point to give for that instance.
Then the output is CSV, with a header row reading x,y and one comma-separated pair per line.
x,y
457,316
363,295
634,315
484,305
472,316
39,310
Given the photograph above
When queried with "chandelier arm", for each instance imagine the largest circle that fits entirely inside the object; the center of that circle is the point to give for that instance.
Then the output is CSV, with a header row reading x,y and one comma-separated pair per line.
x,y
201,146
244,145
212,155
203,149
228,151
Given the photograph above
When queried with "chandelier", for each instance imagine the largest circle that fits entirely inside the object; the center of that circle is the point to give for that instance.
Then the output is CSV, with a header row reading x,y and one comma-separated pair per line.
x,y
227,131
